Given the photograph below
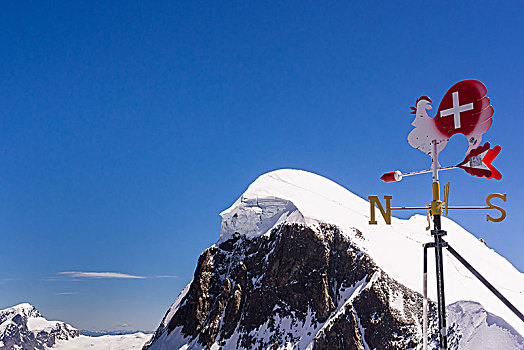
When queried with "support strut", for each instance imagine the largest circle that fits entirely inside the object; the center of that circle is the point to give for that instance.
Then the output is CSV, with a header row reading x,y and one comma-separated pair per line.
x,y
486,283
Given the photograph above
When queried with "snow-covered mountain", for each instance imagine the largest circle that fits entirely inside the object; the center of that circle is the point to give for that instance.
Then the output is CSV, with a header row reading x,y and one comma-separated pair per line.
x,y
474,328
23,327
297,266
105,342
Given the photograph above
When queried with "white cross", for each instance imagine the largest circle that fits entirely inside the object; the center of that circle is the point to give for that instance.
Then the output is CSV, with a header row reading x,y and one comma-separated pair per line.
x,y
457,108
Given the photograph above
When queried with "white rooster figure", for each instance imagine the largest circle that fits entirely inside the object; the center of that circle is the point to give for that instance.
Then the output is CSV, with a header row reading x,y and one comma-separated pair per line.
x,y
425,131
464,109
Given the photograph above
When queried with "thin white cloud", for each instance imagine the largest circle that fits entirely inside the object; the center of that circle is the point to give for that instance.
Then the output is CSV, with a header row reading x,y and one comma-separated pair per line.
x,y
165,276
99,275
65,293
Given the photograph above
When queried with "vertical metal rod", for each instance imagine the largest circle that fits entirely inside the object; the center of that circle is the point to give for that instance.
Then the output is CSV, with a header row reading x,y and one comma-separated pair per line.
x,y
443,338
425,302
434,163
425,297
436,210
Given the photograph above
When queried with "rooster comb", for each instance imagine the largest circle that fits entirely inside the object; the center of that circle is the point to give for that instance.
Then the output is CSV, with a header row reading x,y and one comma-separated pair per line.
x,y
425,98
421,98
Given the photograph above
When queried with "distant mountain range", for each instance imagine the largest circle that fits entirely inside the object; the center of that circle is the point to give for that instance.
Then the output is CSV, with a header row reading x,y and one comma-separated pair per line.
x,y
99,333
22,327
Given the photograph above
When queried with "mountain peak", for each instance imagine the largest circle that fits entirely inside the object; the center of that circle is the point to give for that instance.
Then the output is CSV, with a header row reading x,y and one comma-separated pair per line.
x,y
308,191
22,325
293,196
25,309
299,197
298,265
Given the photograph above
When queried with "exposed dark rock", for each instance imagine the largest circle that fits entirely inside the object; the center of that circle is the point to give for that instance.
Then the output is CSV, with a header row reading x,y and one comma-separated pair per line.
x,y
243,289
342,334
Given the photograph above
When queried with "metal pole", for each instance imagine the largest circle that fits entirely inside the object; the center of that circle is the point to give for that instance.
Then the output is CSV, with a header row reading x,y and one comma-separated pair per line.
x,y
425,297
436,210
439,243
425,302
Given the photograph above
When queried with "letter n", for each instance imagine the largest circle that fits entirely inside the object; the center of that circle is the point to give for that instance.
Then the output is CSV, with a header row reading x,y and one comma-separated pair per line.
x,y
386,214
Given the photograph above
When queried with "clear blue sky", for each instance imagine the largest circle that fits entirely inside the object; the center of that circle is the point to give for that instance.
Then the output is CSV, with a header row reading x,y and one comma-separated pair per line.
x,y
126,127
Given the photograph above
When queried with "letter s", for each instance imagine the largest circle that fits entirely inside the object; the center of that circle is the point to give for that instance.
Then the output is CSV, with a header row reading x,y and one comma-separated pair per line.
x,y
491,206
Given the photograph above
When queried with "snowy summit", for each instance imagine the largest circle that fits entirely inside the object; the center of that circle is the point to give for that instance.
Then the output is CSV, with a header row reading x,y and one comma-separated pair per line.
x,y
291,210
23,327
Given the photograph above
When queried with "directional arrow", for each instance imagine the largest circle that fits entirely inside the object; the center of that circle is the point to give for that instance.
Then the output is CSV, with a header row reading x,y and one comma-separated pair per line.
x,y
478,162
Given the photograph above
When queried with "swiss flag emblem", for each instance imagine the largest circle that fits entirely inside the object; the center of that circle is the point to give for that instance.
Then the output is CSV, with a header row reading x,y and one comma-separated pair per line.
x,y
463,109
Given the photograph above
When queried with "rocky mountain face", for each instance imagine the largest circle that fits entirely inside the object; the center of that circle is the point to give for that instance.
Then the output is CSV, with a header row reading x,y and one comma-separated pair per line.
x,y
298,266
23,327
297,287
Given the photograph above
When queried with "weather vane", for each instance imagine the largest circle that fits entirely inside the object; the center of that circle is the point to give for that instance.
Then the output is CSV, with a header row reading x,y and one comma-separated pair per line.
x,y
464,109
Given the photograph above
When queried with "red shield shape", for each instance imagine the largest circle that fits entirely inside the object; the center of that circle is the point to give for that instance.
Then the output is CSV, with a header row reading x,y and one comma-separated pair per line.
x,y
464,109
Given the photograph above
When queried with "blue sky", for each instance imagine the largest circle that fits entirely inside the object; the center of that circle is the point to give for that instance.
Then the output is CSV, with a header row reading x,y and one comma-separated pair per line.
x,y
127,127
